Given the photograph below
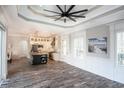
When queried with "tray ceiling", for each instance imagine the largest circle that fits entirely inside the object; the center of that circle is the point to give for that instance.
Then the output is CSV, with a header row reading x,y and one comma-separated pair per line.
x,y
25,19
37,14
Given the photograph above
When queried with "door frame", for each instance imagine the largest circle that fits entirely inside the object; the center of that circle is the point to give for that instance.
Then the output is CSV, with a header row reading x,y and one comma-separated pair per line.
x,y
3,55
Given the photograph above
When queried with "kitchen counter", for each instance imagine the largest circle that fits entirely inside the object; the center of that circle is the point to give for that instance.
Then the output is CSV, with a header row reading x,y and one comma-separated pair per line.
x,y
39,58
39,53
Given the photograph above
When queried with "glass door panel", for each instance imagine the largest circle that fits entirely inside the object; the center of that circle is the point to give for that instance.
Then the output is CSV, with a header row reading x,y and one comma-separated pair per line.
x,y
120,48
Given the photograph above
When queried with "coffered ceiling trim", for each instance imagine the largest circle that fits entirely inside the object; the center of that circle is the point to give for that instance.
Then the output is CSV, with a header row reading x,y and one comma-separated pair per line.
x,y
39,21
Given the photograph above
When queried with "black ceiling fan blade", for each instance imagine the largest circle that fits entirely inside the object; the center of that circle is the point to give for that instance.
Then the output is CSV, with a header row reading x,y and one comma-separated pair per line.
x,y
58,18
65,8
72,19
60,8
85,10
65,20
53,15
71,7
77,16
52,11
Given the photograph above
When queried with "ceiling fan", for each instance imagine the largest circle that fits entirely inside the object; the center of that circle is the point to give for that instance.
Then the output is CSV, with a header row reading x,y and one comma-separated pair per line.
x,y
66,13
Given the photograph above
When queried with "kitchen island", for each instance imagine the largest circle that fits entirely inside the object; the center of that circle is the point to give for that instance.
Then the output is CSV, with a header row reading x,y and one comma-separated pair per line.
x,y
39,58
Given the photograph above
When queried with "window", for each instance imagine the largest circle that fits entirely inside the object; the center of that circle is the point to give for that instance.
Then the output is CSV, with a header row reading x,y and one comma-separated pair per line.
x,y
78,47
120,47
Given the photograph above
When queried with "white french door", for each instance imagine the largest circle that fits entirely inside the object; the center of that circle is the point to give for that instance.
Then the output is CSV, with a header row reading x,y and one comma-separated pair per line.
x,y
3,55
119,69
120,48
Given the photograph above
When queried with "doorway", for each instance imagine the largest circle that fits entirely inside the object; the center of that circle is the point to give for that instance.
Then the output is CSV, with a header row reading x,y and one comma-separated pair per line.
x,y
119,68
3,60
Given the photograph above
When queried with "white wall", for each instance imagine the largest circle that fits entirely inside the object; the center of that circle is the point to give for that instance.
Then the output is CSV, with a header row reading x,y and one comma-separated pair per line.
x,y
100,65
19,46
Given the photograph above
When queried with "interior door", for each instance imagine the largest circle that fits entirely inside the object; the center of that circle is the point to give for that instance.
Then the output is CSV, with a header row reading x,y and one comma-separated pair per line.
x,y
119,69
24,48
120,48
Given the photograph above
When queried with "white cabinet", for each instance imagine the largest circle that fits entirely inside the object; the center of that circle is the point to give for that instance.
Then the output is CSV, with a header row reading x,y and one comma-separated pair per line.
x,y
55,56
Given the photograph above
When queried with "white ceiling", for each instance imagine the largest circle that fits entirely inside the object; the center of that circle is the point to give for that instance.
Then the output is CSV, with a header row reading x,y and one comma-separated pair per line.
x,y
18,25
37,13
22,20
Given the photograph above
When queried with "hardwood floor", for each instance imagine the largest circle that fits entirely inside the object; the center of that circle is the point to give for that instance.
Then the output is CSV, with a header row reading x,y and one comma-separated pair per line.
x,y
53,75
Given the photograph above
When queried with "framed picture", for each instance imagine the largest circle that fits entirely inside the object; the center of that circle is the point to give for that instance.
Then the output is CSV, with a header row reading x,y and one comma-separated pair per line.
x,y
97,45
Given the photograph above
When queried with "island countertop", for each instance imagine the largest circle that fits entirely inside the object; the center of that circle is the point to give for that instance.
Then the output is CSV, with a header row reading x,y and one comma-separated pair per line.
x,y
39,53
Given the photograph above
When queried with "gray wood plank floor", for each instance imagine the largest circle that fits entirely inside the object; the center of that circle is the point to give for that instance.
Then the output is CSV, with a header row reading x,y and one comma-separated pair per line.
x,y
53,75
